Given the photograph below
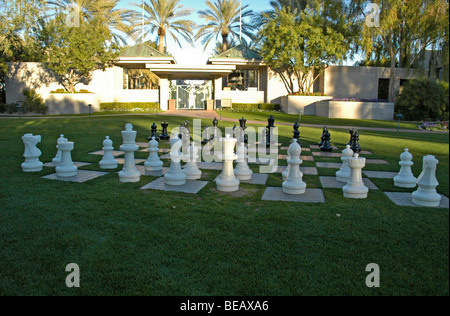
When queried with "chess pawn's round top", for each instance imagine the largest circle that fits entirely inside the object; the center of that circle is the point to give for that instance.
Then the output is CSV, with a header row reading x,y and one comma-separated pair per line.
x,y
406,157
107,143
215,122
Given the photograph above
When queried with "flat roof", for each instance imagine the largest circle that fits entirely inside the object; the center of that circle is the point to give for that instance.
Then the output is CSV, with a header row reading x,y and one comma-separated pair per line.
x,y
202,72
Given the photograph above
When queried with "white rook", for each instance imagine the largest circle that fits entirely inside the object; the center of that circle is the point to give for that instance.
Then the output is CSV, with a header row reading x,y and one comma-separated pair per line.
x,y
355,188
66,168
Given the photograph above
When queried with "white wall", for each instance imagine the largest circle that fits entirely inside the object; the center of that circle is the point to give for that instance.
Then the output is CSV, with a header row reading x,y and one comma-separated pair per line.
x,y
243,96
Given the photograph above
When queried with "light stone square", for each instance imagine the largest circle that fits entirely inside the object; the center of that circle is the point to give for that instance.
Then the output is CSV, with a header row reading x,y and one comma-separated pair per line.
x,y
326,154
277,194
405,199
257,178
191,186
332,183
76,163
377,161
331,165
82,176
380,174
120,161
317,147
115,153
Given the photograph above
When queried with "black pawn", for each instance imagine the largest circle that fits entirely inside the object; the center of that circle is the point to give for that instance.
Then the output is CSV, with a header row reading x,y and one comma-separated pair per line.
x,y
207,133
164,135
354,144
180,131
154,131
352,131
215,122
322,137
296,132
326,141
234,131
242,123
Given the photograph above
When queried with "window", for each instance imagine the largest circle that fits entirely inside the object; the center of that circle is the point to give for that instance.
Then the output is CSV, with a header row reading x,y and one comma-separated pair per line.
x,y
243,80
383,89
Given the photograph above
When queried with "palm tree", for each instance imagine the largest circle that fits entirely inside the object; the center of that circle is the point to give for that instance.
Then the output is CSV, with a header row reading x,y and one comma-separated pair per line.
x,y
118,20
223,19
262,18
164,17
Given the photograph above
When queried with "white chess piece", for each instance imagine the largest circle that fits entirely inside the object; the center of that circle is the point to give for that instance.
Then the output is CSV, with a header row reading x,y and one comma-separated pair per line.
x,y
175,176
355,188
57,158
294,182
153,162
227,181
108,161
426,194
32,153
242,170
405,178
343,175
285,173
191,169
66,168
129,172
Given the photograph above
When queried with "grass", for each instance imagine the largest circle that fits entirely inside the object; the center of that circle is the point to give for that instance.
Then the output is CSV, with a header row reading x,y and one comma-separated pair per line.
x,y
132,242
315,120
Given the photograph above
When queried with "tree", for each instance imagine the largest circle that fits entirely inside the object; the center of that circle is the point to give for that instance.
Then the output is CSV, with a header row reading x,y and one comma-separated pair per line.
x,y
163,17
73,53
301,48
223,19
406,29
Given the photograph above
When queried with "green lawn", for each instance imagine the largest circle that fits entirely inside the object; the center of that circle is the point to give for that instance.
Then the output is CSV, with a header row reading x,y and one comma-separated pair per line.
x,y
289,118
132,242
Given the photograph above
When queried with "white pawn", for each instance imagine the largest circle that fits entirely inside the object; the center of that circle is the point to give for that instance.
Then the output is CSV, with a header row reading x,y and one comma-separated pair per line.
x,y
57,158
108,161
32,153
227,181
426,194
294,182
66,168
355,188
343,175
153,162
242,170
405,178
129,172
175,176
191,169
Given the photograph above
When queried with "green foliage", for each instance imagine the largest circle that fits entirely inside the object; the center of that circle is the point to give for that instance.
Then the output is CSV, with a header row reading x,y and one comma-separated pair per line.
x,y
130,106
423,99
247,107
32,102
73,53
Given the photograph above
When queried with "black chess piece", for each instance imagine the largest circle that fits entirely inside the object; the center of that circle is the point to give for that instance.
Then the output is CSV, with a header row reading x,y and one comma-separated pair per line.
x,y
215,122
180,131
242,124
154,132
354,144
296,132
326,141
234,131
269,130
164,135
207,133
215,135
351,131
322,137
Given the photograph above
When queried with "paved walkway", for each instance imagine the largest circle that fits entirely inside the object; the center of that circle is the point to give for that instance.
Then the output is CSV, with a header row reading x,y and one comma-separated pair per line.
x,y
210,115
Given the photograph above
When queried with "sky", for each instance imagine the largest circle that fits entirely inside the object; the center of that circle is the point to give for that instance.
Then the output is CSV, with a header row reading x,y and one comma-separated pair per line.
x,y
189,55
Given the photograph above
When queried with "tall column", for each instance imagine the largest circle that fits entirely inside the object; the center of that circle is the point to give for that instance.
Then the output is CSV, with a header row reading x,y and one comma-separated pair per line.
x,y
164,94
217,90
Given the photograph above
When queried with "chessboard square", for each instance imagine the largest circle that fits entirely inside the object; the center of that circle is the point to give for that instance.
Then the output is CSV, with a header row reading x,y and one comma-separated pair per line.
x,y
257,178
82,176
326,154
210,165
380,174
121,161
377,161
115,153
311,171
331,165
191,186
405,199
142,144
365,152
76,163
277,194
318,147
155,173
332,183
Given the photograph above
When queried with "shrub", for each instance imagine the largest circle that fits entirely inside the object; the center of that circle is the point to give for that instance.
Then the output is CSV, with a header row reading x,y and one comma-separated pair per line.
x,y
32,102
312,94
129,107
246,107
423,99
8,108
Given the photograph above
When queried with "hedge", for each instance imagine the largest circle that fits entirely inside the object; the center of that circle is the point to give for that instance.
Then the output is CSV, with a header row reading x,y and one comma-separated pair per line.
x,y
129,106
246,107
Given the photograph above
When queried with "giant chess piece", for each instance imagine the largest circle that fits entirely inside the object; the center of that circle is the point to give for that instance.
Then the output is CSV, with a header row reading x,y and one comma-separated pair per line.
x,y
351,132
263,138
243,126
206,135
57,158
191,169
405,178
355,188
426,194
153,162
269,132
215,136
326,141
354,145
296,132
294,182
129,172
108,161
154,133
164,134
242,170
175,176
66,168
31,153
322,137
343,175
227,181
